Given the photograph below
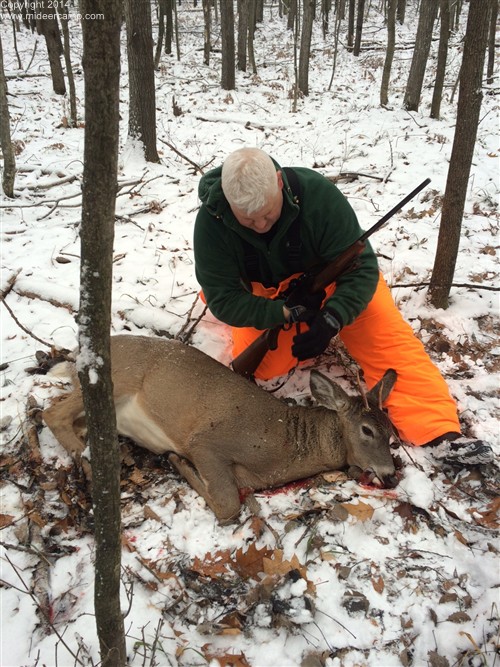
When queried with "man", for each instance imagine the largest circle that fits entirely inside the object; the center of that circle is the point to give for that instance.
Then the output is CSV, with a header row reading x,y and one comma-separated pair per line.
x,y
257,227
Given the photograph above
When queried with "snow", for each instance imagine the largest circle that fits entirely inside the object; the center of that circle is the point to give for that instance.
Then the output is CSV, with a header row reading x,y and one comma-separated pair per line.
x,y
429,550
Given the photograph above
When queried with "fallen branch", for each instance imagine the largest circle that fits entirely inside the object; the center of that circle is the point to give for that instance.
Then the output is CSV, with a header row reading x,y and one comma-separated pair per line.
x,y
466,285
184,157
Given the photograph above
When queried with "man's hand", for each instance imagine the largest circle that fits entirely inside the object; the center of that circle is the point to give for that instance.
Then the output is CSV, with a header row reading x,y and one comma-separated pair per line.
x,y
323,327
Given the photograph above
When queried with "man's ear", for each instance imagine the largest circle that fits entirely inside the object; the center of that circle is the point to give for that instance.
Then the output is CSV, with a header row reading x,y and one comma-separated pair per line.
x,y
280,180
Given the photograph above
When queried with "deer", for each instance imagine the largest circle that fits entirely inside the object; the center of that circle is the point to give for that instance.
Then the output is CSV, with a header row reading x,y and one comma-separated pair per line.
x,y
224,433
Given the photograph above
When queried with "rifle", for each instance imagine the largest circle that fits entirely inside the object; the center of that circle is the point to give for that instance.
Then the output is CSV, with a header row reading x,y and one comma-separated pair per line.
x,y
315,280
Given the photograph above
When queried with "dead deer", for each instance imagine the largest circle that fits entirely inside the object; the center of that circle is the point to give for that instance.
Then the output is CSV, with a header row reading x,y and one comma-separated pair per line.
x,y
224,433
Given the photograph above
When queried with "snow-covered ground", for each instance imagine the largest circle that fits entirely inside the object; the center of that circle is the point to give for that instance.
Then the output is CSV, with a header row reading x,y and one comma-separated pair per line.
x,y
337,574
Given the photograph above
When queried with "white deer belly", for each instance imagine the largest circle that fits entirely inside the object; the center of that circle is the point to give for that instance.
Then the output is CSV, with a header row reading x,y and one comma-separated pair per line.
x,y
133,422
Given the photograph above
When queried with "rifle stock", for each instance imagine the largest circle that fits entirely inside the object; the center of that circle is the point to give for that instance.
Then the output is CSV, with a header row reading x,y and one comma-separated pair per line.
x,y
247,362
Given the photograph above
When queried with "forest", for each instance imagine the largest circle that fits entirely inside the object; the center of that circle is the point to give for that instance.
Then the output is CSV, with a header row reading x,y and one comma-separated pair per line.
x,y
110,114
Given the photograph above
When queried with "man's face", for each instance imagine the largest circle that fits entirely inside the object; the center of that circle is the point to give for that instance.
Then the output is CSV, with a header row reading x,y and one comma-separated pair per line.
x,y
263,219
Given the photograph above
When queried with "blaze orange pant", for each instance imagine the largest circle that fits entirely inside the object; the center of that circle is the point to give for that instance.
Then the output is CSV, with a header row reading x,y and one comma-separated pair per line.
x,y
420,405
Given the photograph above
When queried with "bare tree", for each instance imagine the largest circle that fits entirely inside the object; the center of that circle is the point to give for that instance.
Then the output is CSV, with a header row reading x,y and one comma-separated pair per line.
x,y
426,19
63,17
101,63
491,43
142,107
350,24
228,75
389,54
401,11
9,161
46,25
359,27
444,34
305,45
468,111
242,34
207,30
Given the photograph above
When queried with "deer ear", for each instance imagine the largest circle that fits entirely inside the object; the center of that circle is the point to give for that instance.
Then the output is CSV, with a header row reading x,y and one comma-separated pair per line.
x,y
383,388
328,393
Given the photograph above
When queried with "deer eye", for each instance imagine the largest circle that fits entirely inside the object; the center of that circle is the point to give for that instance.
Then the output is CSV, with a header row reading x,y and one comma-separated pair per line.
x,y
367,431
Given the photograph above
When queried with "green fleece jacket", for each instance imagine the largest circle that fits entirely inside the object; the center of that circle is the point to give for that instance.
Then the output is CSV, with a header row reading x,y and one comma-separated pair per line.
x,y
328,225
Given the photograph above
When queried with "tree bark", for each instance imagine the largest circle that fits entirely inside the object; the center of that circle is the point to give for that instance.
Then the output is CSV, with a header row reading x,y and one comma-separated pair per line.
x,y
305,45
491,43
242,34
48,27
228,75
350,24
426,19
207,30
9,160
142,106
101,64
389,54
401,11
63,17
359,27
444,35
468,112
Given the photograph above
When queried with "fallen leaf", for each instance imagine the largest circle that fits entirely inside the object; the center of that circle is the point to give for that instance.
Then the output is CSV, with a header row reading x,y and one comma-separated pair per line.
x,y
150,514
459,617
362,511
6,520
212,565
248,564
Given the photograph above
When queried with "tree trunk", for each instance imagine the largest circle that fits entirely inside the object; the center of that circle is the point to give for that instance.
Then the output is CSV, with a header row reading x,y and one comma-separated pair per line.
x,y
305,45
242,34
252,26
292,14
359,27
491,43
228,75
444,35
142,106
426,18
162,9
63,17
9,160
207,30
101,64
48,27
389,54
401,11
468,112
169,28
350,24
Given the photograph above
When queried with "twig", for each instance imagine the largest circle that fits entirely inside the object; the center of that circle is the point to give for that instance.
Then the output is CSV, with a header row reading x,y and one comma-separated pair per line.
x,y
184,157
184,334
40,340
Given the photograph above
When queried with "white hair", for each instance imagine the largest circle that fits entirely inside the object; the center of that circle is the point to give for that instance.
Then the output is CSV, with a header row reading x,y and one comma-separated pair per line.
x,y
249,179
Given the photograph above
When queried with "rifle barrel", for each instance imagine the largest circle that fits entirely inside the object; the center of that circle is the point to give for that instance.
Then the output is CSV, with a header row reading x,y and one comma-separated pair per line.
x,y
394,210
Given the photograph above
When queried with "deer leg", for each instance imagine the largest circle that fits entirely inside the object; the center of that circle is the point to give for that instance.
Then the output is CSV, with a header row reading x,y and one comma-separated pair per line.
x,y
219,491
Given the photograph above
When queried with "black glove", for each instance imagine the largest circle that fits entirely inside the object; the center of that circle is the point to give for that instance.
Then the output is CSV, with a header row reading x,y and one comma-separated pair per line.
x,y
301,296
323,327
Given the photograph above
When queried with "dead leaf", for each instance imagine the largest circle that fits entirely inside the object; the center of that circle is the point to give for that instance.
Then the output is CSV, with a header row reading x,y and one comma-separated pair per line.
x,y
437,660
248,564
490,518
362,511
6,520
212,565
458,617
150,514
